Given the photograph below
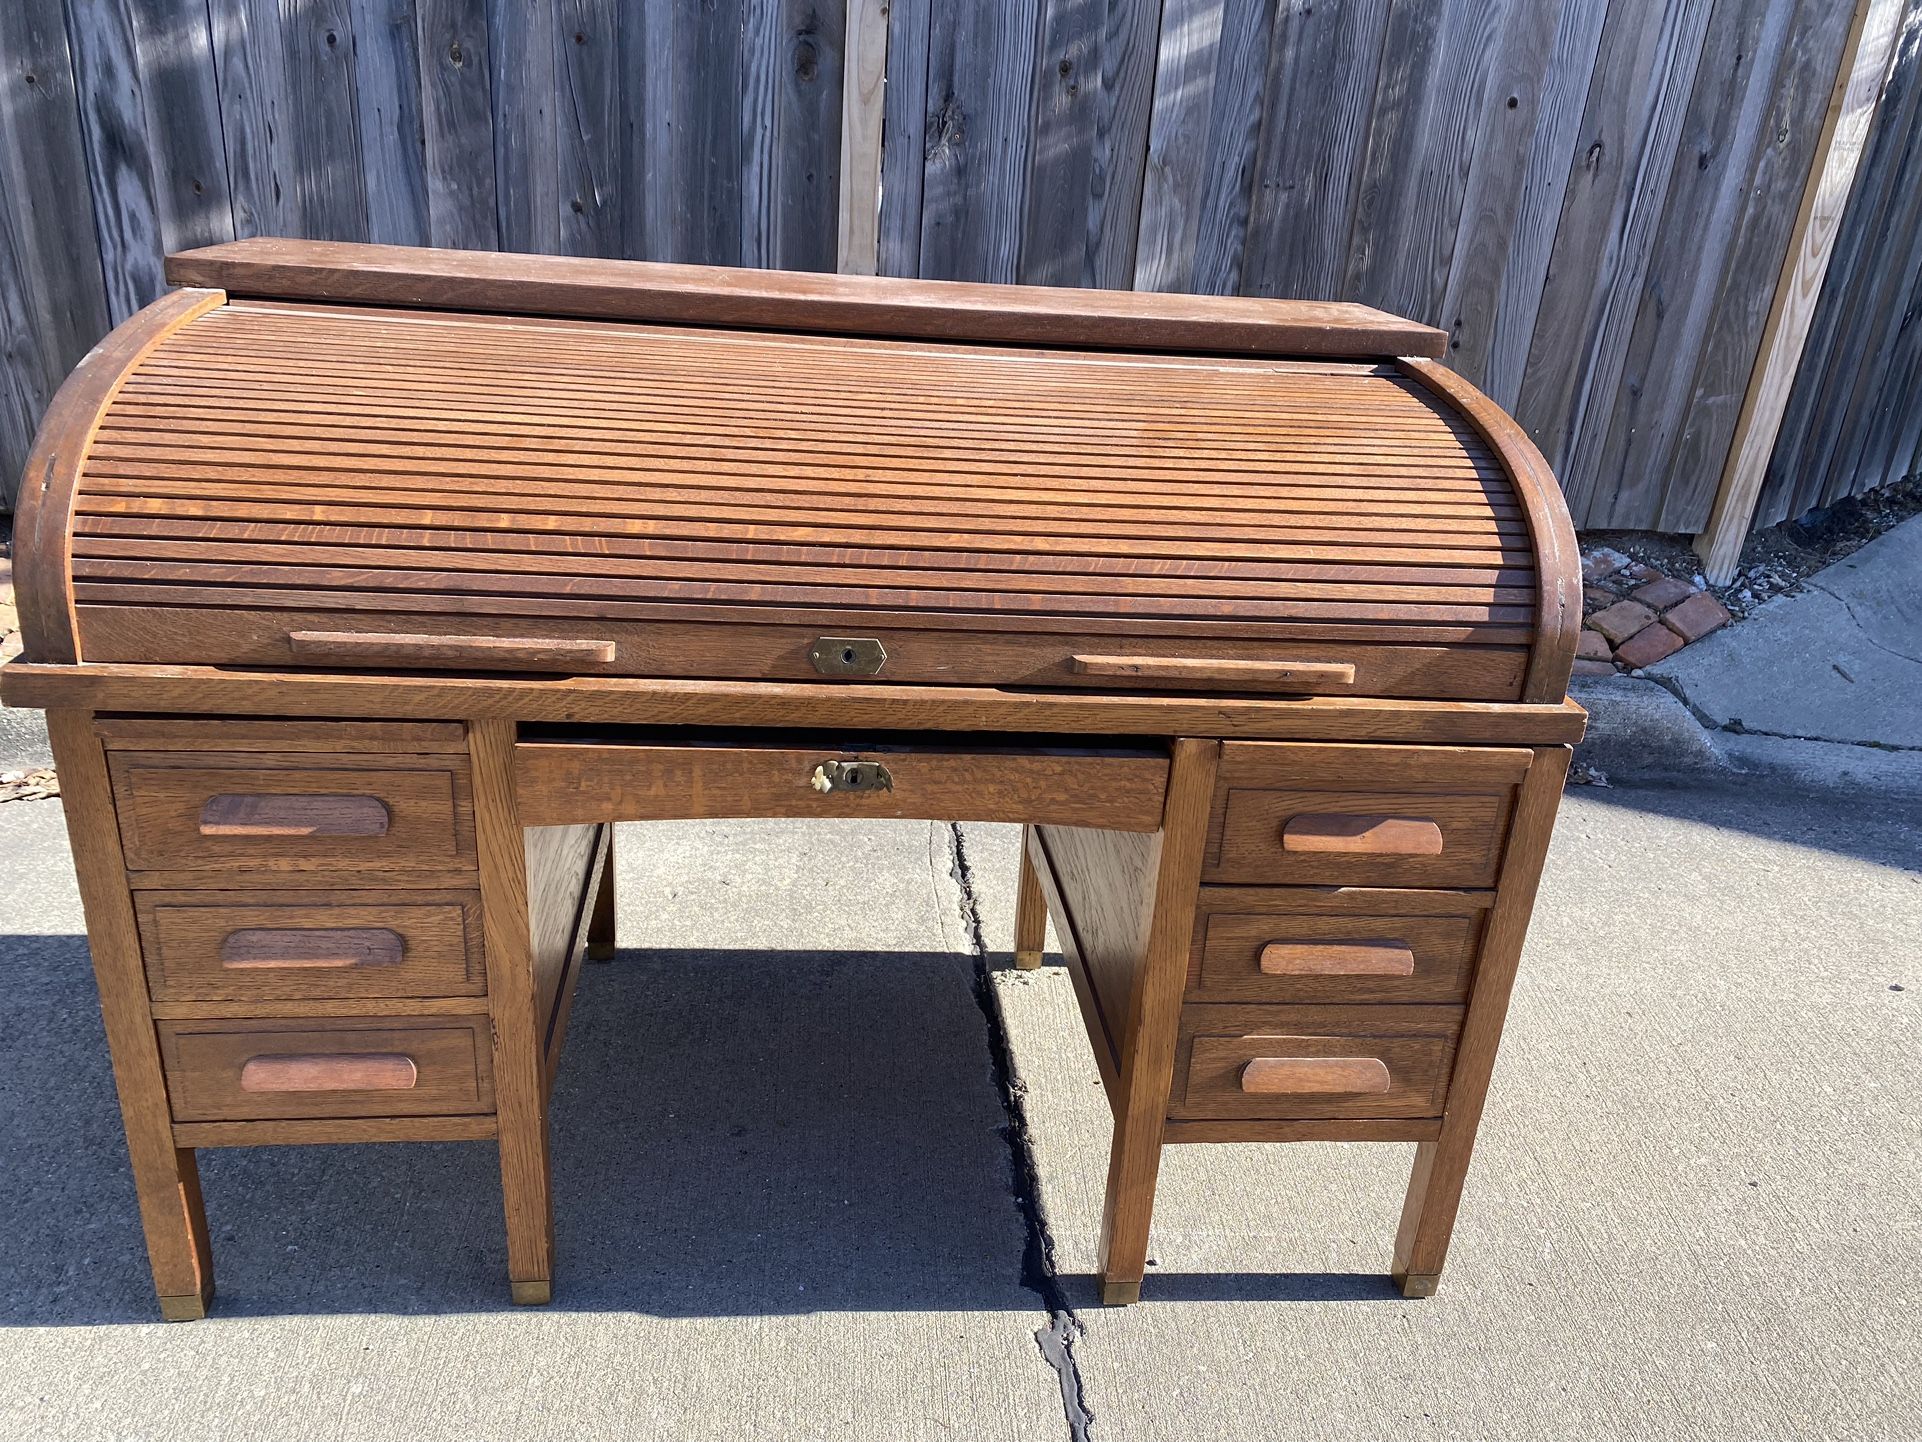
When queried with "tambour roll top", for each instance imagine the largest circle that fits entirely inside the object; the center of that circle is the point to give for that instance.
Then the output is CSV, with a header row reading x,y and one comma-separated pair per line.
x,y
355,458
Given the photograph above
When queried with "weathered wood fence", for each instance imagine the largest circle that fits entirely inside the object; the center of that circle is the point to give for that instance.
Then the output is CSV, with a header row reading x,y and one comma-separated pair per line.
x,y
1595,197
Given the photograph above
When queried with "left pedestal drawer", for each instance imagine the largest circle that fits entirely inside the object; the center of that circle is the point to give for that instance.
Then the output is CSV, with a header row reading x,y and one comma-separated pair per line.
x,y
243,946
328,1067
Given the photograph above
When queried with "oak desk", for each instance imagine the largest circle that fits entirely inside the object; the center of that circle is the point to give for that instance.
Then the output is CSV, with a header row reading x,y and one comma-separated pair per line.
x,y
365,587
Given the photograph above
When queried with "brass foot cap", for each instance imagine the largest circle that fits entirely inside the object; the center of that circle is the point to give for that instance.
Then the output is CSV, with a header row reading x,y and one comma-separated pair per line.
x,y
1413,1285
1120,1294
1027,960
532,1294
190,1308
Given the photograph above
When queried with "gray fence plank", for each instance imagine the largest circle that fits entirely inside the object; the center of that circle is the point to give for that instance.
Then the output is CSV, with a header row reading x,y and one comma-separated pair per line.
x,y
248,72
1492,202
1618,178
1700,416
1435,80
322,116
810,60
1094,91
904,106
49,254
1544,177
1690,249
1234,131
1323,62
393,131
521,36
174,42
1177,137
457,123
980,93
107,80
590,104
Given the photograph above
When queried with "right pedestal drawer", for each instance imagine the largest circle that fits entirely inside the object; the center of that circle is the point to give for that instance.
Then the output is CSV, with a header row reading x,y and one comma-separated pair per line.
x,y
1304,1062
1291,813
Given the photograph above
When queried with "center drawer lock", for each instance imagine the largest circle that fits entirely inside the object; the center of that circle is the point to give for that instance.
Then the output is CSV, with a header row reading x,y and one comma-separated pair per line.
x,y
851,776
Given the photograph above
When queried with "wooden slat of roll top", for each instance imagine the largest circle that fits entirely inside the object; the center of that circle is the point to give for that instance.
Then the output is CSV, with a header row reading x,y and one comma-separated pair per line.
x,y
469,280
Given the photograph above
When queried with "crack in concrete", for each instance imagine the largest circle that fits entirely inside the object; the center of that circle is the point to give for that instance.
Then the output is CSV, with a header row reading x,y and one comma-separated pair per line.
x,y
1866,635
1056,1340
1735,726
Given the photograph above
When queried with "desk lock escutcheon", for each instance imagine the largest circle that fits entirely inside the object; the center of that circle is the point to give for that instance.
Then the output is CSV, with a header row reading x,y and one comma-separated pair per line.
x,y
851,776
848,655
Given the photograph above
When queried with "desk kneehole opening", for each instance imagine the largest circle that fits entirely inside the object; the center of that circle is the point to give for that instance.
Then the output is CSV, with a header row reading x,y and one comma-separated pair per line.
x,y
1315,1076
332,1072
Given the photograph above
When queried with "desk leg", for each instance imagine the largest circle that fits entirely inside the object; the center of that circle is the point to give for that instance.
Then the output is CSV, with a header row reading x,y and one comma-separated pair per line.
x,y
1154,1012
166,1179
1441,1166
520,1099
1030,910
600,926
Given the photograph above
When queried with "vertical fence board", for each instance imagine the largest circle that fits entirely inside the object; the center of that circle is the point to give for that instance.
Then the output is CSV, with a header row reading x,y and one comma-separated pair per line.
x,y
174,42
1702,413
588,102
810,62
521,36
1324,62
1690,249
51,287
248,71
1609,215
1493,203
108,81
864,51
1177,135
904,129
980,96
322,116
387,93
457,124
1234,131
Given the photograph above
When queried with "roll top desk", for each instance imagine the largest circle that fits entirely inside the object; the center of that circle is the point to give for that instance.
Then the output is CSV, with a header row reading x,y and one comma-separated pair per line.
x,y
366,588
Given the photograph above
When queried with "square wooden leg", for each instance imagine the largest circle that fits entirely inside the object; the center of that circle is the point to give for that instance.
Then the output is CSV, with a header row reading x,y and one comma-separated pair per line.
x,y
520,1077
1030,910
600,926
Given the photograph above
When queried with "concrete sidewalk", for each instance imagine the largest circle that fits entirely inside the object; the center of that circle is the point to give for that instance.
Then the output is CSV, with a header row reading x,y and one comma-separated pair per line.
x,y
789,1206
1822,688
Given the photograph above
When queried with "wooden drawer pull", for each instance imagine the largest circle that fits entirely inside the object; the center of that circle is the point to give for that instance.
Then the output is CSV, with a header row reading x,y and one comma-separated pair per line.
x,y
334,1072
1377,835
1307,675
254,815
336,947
1337,958
496,652
1314,1075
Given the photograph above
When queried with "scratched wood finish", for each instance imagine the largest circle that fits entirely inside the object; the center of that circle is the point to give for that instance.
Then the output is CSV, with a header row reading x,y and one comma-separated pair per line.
x,y
1593,211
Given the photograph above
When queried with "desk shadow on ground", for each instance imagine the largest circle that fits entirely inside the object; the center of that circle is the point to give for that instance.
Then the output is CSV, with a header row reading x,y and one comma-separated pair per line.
x,y
734,1133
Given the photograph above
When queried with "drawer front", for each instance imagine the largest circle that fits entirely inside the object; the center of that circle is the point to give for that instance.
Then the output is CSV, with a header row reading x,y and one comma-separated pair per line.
x,y
233,946
375,813
1382,816
332,1068
1256,944
1288,1063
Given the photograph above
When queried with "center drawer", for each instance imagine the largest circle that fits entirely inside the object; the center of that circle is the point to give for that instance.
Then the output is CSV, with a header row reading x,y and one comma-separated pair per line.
x,y
243,946
246,1070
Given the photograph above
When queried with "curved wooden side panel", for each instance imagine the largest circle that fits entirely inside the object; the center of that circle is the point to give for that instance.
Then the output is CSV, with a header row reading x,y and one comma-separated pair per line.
x,y
43,529
1558,562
